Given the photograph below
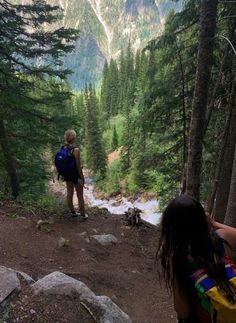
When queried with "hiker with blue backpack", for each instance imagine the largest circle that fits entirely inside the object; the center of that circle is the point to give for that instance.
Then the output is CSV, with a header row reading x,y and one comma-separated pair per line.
x,y
195,255
68,165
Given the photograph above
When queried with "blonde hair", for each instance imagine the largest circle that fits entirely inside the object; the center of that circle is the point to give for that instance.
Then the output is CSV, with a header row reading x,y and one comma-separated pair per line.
x,y
69,136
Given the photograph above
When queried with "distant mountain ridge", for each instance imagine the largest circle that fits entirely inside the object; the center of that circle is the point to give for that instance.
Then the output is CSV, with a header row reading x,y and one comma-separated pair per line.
x,y
106,26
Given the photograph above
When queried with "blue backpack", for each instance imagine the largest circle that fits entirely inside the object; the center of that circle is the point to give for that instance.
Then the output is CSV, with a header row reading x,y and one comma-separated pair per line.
x,y
64,161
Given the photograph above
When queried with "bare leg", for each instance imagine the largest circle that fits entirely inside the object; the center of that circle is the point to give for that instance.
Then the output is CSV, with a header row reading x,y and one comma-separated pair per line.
x,y
70,193
80,195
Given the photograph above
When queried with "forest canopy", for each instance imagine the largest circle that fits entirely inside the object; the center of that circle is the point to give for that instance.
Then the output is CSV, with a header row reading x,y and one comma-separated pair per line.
x,y
168,110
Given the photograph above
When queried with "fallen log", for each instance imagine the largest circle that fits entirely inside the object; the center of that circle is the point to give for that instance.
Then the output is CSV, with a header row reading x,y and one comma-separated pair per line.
x,y
148,224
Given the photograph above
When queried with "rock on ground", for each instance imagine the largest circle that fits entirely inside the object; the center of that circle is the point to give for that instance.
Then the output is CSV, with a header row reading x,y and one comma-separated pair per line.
x,y
101,308
105,239
10,284
61,284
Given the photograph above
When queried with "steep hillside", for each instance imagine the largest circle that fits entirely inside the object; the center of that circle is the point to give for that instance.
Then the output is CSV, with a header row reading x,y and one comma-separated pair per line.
x,y
106,26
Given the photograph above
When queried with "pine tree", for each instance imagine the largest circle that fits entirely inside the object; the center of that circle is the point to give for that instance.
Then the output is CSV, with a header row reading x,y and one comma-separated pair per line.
x,y
105,91
142,87
27,61
109,89
113,88
96,157
155,94
115,141
137,64
122,81
204,64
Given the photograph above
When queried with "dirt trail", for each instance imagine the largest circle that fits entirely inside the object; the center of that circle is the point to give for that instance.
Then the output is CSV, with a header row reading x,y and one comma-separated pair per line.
x,y
124,271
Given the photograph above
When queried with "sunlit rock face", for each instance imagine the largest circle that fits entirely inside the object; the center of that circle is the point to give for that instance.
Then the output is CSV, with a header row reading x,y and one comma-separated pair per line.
x,y
106,27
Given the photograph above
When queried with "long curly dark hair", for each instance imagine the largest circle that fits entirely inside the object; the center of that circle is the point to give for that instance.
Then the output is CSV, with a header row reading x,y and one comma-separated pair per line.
x,y
185,230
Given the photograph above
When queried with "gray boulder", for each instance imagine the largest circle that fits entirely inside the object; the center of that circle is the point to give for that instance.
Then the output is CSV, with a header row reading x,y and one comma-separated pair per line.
x,y
10,284
105,239
111,312
61,284
25,276
101,308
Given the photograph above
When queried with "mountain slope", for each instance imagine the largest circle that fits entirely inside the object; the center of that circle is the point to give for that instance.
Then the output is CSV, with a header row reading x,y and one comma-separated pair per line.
x,y
106,27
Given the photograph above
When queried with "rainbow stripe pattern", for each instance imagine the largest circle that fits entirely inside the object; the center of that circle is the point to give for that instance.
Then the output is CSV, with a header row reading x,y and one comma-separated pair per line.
x,y
212,299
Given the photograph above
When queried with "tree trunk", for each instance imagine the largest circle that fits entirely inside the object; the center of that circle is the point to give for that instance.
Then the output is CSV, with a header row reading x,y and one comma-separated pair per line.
x,y
184,126
9,160
211,199
198,117
230,217
221,76
222,193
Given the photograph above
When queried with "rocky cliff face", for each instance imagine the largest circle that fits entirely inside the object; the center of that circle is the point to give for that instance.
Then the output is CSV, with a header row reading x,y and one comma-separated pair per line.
x,y
106,26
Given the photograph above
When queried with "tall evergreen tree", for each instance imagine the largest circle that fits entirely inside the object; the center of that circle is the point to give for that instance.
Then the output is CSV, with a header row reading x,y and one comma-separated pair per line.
x,y
204,64
109,89
115,141
113,88
27,52
122,80
96,156
105,90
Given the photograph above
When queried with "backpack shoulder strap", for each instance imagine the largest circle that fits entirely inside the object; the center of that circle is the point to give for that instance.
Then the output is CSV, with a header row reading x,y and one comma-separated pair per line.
x,y
72,149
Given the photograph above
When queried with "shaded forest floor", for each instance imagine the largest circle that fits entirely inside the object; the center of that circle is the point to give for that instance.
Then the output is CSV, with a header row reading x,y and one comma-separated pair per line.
x,y
124,271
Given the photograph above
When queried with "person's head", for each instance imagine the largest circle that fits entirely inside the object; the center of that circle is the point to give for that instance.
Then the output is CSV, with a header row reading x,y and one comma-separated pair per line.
x,y
69,137
184,222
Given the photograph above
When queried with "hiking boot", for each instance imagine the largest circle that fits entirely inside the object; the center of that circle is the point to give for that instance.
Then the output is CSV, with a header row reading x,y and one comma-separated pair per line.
x,y
74,214
83,217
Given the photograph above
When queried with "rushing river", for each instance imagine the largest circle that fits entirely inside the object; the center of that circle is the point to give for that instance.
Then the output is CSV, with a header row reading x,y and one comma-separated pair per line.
x,y
148,208
115,206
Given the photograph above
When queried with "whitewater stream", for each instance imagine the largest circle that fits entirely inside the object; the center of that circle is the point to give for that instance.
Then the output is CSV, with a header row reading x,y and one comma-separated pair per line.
x,y
117,205
114,206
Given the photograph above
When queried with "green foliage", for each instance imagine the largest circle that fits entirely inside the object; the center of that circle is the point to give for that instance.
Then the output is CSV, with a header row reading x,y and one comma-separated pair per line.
x,y
96,156
112,182
117,122
137,21
66,243
144,107
35,100
157,105
44,227
47,204
109,90
115,141
150,100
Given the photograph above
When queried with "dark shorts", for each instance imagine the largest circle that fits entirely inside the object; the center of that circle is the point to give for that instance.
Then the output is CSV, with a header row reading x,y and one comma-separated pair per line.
x,y
73,177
